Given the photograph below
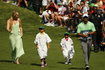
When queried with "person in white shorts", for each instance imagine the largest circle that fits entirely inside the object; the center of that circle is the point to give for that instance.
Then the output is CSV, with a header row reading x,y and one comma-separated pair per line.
x,y
67,48
42,41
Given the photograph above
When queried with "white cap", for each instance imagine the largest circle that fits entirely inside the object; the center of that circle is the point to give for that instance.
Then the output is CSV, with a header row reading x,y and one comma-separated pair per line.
x,y
85,15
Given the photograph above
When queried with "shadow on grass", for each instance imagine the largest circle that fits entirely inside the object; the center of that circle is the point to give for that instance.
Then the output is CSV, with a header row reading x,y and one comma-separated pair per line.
x,y
35,64
76,68
8,61
61,62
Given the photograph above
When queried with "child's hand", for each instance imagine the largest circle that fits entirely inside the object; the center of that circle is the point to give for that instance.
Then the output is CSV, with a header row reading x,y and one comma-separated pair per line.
x,y
62,49
48,46
21,34
37,47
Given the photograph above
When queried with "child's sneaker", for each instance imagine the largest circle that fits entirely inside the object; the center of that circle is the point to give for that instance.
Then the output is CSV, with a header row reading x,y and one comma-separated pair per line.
x,y
42,64
45,64
66,62
70,63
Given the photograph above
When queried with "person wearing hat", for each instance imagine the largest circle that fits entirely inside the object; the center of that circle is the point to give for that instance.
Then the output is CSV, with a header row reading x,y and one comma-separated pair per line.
x,y
85,30
67,48
42,41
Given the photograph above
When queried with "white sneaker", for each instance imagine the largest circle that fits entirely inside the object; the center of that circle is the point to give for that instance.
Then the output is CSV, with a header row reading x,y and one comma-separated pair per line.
x,y
45,64
52,25
8,1
66,62
60,26
14,3
42,65
40,16
87,67
48,24
70,63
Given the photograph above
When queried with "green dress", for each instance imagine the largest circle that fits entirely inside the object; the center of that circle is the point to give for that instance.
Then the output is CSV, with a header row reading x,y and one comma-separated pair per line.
x,y
16,42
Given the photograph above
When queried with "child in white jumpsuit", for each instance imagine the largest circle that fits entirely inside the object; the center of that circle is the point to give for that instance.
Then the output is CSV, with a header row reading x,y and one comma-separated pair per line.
x,y
67,48
42,41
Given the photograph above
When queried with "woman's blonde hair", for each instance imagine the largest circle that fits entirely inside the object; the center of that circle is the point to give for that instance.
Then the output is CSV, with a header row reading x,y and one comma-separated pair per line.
x,y
15,16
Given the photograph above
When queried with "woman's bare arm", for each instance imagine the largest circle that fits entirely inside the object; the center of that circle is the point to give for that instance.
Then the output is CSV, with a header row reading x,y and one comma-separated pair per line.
x,y
21,29
8,27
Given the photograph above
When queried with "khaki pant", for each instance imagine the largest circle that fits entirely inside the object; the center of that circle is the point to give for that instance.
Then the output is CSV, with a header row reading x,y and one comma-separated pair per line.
x,y
86,47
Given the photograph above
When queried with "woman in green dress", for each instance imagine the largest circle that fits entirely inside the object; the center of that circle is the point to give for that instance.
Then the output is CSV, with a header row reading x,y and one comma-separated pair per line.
x,y
15,28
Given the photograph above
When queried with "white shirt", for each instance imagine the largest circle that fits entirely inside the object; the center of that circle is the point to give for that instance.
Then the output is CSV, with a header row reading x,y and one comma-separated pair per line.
x,y
77,2
85,10
61,10
44,2
64,2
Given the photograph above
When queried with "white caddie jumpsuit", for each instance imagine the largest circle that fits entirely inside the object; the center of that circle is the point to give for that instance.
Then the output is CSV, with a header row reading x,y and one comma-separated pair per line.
x,y
41,40
68,49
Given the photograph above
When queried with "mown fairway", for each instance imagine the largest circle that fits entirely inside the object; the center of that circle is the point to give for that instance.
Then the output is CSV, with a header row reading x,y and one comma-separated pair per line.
x,y
30,61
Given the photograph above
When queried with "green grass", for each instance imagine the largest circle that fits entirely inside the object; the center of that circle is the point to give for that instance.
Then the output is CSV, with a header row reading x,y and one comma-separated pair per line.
x,y
30,61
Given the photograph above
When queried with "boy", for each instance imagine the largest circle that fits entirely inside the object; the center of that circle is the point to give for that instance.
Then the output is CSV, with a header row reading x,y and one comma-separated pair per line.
x,y
67,48
42,41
